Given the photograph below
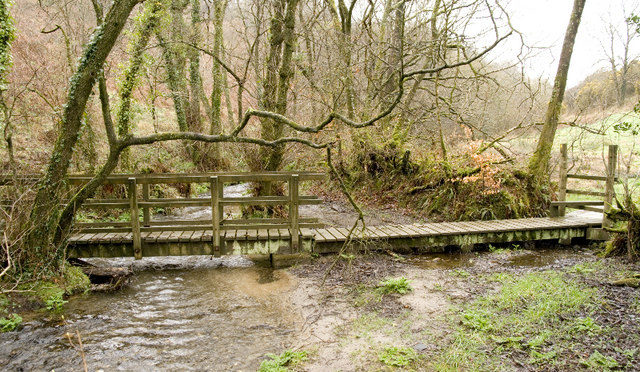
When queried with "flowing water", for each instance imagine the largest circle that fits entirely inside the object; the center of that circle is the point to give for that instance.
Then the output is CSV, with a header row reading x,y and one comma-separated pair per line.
x,y
194,318
194,313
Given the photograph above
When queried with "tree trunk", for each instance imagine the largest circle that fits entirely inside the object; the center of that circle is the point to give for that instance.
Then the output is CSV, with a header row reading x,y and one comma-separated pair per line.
x,y
45,211
278,75
539,163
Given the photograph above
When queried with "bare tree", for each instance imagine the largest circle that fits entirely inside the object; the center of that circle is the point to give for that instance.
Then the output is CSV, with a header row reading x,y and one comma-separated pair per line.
x,y
539,163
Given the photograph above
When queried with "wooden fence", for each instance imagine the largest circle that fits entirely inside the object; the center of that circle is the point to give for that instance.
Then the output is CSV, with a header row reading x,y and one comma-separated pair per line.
x,y
558,208
138,201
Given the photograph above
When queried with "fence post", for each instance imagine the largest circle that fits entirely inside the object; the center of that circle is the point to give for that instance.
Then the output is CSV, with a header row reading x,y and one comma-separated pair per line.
x,y
294,201
135,220
146,218
562,182
215,214
612,165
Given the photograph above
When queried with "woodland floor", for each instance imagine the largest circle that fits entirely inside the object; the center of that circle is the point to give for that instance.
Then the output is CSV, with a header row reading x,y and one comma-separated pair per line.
x,y
346,325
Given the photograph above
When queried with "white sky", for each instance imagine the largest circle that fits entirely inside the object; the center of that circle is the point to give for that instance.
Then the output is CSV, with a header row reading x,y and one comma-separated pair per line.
x,y
544,22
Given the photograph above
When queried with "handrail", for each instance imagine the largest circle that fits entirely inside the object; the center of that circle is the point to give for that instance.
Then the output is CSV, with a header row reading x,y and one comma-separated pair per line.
x,y
558,208
159,178
134,202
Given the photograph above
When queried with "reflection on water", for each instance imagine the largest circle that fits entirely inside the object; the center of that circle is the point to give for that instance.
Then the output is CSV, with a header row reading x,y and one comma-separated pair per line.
x,y
197,319
506,258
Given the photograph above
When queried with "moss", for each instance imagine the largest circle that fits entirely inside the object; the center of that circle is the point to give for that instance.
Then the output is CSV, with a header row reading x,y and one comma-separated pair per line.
x,y
75,281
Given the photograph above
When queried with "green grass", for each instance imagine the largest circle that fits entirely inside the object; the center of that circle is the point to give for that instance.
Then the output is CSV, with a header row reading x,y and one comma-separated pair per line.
x,y
279,363
531,313
395,285
397,356
9,323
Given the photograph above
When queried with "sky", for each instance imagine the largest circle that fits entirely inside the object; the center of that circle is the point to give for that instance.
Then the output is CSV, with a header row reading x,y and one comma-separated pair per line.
x,y
544,22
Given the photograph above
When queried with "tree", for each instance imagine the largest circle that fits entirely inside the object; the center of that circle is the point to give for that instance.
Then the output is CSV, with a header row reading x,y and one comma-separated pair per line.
x,y
539,163
51,221
7,35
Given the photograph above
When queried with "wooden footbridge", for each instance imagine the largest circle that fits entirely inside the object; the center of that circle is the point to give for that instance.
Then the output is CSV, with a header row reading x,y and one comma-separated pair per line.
x,y
225,234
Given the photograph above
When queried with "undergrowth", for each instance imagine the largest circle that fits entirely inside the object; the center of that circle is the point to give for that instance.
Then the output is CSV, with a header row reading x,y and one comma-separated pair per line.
x,y
279,363
538,315
464,187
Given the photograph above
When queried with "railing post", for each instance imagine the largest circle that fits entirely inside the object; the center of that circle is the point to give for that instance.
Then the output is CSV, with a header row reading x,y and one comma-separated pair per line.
x,y
294,202
135,220
215,214
146,217
612,166
562,182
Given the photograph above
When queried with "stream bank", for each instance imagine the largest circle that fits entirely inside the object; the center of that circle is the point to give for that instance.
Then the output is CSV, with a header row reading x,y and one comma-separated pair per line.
x,y
198,313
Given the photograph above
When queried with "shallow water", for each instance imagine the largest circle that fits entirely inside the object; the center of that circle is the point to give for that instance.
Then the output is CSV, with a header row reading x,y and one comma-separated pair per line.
x,y
224,318
513,259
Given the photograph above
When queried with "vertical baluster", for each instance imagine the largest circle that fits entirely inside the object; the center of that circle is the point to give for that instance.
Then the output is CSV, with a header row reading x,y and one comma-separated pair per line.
x,y
294,202
562,182
146,217
612,165
215,214
135,220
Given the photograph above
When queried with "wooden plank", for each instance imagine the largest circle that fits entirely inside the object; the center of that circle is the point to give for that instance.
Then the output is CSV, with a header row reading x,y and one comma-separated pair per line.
x,y
252,234
394,232
241,235
307,233
135,221
413,231
336,234
424,228
197,236
103,238
324,236
207,236
263,234
273,234
153,236
442,228
185,236
164,237
284,234
609,191
175,236
345,232
586,192
372,233
588,177
575,203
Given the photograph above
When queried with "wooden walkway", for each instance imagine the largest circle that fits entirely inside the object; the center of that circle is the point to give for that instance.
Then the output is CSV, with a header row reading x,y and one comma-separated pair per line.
x,y
221,234
428,237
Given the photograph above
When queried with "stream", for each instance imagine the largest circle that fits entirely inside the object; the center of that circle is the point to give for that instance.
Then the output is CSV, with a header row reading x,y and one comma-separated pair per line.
x,y
198,313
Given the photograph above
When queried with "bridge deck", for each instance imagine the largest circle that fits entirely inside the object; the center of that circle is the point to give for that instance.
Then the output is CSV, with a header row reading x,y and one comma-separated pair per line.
x,y
430,236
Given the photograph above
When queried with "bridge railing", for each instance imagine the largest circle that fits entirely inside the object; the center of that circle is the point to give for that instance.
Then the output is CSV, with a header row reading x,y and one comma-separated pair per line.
x,y
140,205
558,208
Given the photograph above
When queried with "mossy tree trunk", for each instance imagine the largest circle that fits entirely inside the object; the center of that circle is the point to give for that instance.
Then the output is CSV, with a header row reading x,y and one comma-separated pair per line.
x,y
46,208
279,72
539,163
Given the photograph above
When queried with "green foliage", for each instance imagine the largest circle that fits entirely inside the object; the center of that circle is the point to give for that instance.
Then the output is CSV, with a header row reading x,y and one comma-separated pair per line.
x,y
55,302
8,324
527,312
461,273
7,35
600,362
394,285
586,325
75,281
466,187
279,363
397,356
50,294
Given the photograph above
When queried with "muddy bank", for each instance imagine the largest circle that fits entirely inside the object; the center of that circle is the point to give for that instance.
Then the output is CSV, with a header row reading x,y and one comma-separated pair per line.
x,y
348,327
198,313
